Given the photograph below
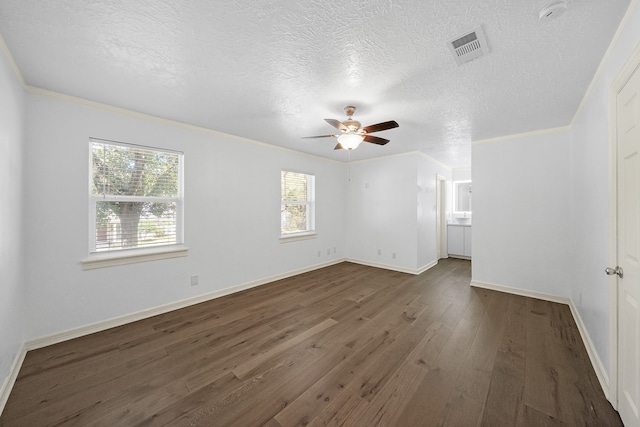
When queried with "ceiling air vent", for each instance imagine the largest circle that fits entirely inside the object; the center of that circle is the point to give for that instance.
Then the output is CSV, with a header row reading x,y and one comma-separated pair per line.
x,y
468,46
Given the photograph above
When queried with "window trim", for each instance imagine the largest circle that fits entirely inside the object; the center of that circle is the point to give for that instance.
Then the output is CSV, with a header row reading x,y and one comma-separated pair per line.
x,y
310,232
295,237
133,256
99,259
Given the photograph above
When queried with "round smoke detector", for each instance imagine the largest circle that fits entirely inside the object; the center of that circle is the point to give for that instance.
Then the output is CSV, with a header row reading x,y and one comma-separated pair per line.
x,y
552,10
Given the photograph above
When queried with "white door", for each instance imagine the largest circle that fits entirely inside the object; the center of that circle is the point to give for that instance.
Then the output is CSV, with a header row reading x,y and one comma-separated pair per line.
x,y
628,250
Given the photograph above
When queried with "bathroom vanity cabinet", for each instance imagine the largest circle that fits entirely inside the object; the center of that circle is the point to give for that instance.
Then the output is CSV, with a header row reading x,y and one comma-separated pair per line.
x,y
459,240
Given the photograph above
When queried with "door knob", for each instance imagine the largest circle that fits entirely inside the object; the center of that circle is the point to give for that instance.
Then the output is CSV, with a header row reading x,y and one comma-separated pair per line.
x,y
611,271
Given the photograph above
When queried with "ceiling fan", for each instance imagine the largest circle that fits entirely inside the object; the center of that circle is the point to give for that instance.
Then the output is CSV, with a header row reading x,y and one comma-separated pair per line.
x,y
352,132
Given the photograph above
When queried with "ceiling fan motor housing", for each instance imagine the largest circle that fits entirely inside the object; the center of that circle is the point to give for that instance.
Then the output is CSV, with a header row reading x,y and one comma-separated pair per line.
x,y
352,125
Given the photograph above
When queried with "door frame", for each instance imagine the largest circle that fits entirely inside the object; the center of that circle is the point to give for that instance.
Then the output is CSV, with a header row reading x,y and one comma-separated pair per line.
x,y
441,211
630,66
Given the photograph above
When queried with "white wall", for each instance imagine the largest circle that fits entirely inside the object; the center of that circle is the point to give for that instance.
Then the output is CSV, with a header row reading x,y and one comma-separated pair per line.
x,y
232,216
589,195
381,212
428,169
461,174
521,221
391,209
12,283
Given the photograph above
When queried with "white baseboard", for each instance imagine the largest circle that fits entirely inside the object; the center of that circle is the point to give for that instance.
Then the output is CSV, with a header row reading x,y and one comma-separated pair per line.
x,y
8,383
601,373
415,271
522,292
427,267
459,257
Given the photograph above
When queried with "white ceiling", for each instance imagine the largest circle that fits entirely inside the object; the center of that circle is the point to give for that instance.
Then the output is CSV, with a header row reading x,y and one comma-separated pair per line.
x,y
272,70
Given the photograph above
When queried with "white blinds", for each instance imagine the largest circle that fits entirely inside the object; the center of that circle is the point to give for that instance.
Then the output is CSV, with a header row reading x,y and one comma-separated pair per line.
x,y
136,196
297,202
122,170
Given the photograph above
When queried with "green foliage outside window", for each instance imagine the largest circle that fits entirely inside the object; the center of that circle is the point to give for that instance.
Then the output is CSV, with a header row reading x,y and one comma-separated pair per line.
x,y
125,176
297,202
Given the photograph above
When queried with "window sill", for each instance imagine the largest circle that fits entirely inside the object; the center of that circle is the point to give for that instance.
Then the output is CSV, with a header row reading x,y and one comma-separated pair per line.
x,y
286,238
133,256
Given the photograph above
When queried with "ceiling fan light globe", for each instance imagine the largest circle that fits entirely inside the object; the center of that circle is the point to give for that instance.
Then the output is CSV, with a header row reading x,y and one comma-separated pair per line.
x,y
350,141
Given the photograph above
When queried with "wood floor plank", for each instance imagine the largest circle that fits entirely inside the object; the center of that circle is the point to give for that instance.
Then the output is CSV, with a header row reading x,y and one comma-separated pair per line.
x,y
104,384
322,393
338,411
541,376
436,390
578,387
343,345
505,396
462,410
370,339
387,405
261,397
428,405
188,407
532,417
143,403
245,369
475,373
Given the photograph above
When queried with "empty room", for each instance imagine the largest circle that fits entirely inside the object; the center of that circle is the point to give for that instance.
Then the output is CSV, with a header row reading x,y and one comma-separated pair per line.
x,y
280,213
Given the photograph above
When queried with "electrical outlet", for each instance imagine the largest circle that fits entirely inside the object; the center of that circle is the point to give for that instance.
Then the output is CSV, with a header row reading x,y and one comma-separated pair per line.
x,y
319,253
334,249
194,280
379,252
328,251
393,255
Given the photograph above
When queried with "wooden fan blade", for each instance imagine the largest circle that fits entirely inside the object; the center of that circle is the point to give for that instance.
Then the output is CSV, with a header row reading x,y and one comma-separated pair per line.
x,y
336,124
321,136
375,139
381,126
338,147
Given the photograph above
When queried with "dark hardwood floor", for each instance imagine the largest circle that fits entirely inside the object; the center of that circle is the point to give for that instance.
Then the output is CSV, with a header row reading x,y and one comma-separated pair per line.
x,y
345,345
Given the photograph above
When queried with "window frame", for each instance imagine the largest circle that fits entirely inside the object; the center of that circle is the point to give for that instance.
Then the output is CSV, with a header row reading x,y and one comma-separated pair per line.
x,y
137,254
310,203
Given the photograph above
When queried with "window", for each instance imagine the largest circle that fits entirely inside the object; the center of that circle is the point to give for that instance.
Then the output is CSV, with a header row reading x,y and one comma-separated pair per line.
x,y
297,211
136,197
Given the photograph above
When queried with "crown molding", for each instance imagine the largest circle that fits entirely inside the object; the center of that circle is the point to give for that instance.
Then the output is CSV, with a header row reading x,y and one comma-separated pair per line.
x,y
408,153
12,62
523,135
438,162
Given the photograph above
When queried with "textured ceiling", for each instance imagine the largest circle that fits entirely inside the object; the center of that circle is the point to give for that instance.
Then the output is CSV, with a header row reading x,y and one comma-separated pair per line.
x,y
272,70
